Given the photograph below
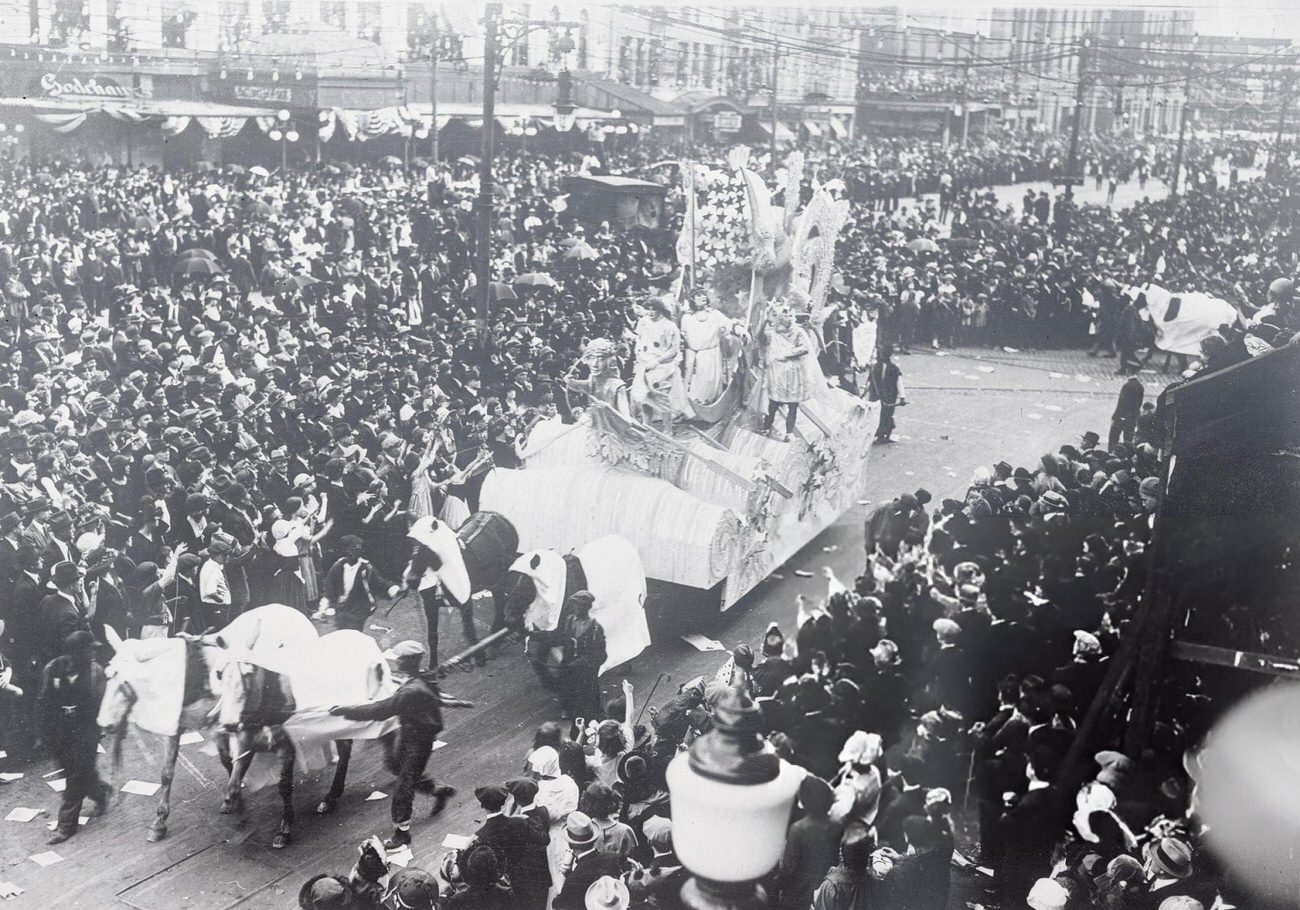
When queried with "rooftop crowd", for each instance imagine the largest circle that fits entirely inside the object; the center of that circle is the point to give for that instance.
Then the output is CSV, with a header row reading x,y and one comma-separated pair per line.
x,y
217,384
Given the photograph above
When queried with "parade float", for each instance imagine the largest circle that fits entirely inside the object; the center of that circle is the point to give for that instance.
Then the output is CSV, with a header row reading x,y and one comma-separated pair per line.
x,y
678,460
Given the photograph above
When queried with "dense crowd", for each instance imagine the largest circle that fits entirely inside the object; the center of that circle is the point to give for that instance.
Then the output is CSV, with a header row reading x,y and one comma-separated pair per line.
x,y
945,683
228,388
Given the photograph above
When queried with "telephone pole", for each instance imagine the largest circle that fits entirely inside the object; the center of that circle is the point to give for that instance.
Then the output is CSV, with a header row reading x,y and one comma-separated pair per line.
x,y
1072,175
483,214
776,69
433,92
1182,120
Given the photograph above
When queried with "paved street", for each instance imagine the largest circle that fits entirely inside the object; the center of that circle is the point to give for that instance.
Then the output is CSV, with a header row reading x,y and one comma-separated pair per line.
x,y
968,408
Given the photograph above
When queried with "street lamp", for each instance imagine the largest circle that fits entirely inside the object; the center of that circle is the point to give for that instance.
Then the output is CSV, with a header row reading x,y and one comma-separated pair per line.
x,y
284,133
565,109
730,788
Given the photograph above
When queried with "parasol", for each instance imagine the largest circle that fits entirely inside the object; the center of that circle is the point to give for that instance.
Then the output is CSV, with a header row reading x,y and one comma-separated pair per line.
x,y
923,245
293,283
535,280
391,160
259,171
236,169
196,267
582,251
499,290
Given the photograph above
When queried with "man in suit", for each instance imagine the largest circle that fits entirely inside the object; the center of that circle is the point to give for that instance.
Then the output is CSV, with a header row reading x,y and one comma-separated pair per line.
x,y
71,689
589,864
1029,828
23,643
62,612
60,547
811,847
531,876
515,840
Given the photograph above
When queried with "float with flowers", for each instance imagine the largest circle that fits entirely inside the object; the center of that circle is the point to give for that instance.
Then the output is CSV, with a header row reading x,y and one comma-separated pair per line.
x,y
729,449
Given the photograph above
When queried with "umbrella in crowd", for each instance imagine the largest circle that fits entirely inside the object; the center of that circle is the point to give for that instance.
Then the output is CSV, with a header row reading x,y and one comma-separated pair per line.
x,y
293,283
259,171
536,280
197,252
391,160
198,267
582,252
258,209
499,290
923,245
236,169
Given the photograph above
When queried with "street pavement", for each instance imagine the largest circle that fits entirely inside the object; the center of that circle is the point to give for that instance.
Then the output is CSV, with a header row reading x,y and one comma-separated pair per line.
x,y
966,408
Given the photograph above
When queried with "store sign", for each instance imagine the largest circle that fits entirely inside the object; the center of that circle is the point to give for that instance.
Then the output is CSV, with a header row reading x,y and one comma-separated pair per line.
x,y
281,93
76,88
726,122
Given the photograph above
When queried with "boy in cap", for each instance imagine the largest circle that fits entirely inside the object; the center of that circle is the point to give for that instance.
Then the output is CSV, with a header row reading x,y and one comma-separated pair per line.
x,y
348,594
811,847
417,704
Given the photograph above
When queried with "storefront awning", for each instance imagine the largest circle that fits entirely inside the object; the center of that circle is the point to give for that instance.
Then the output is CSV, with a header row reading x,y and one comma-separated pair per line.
x,y
839,128
783,132
142,107
814,129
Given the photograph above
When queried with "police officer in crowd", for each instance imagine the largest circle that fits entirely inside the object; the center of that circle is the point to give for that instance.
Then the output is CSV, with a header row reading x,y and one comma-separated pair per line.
x,y
417,705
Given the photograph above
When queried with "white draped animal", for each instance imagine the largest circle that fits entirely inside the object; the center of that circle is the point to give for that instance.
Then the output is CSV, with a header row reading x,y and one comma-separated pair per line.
x,y
1182,320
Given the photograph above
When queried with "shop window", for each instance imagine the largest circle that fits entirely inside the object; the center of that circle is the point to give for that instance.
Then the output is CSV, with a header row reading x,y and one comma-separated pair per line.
x,y
176,21
369,21
276,13
69,21
335,13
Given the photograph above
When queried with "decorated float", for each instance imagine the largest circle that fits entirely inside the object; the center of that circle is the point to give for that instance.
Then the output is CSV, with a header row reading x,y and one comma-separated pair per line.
x,y
684,460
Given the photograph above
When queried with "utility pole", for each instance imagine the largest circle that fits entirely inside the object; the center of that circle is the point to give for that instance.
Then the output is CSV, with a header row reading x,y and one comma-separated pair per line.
x,y
965,93
483,216
1182,120
776,69
1072,175
433,92
1286,103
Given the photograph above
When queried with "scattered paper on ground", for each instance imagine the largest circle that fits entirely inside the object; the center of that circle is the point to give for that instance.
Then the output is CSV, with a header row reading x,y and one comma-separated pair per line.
x,y
1055,375
22,814
1079,377
1053,407
3,754
985,369
437,744
8,777
1032,416
802,573
864,502
401,856
1010,350
831,549
454,842
702,643
58,786
376,794
57,772
140,787
48,858
190,738
9,889
940,354
100,749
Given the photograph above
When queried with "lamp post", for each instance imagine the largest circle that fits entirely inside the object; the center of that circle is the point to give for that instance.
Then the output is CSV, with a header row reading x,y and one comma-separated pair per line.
x,y
283,133
730,788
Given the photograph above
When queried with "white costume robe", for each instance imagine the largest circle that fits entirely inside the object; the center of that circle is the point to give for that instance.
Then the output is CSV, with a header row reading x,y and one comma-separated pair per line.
x,y
703,331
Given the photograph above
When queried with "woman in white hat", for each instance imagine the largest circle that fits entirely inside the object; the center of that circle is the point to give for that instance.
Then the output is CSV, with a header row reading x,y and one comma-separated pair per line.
x,y
558,794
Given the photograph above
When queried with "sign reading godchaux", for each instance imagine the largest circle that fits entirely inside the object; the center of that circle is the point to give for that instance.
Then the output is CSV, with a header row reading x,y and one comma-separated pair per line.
x,y
74,87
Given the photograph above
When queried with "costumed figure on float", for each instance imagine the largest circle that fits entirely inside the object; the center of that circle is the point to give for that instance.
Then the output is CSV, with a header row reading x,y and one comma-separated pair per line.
x,y
685,460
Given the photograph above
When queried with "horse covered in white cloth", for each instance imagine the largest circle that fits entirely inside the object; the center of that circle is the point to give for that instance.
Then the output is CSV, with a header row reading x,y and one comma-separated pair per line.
x,y
1182,321
610,568
169,686
277,699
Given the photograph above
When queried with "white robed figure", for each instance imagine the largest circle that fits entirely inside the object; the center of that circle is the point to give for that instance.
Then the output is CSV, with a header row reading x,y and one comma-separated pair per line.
x,y
657,385
705,330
